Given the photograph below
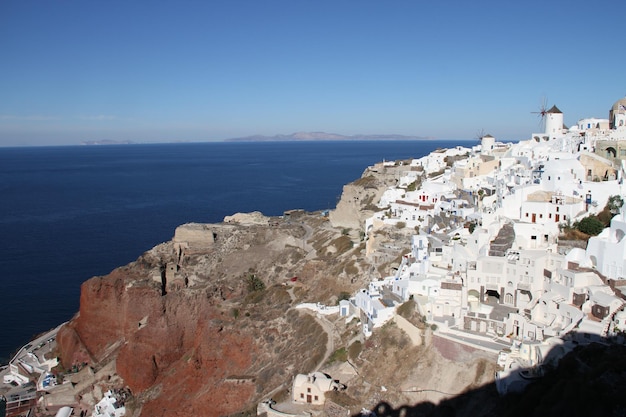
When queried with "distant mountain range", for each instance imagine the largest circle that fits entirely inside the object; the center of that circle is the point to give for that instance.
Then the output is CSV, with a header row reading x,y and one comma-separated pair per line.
x,y
304,136
294,137
107,142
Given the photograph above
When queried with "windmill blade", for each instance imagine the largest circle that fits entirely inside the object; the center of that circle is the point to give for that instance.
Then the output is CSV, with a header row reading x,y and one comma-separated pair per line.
x,y
542,112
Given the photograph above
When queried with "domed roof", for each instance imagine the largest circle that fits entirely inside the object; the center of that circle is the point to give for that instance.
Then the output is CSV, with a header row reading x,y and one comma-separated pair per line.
x,y
619,104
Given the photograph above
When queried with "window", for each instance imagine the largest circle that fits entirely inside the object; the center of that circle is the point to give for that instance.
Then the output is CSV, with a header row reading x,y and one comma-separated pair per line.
x,y
526,214
557,209
549,215
316,398
533,238
301,395
308,390
541,216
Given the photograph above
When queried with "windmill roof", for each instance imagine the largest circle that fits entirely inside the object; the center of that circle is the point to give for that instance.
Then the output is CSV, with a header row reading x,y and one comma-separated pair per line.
x,y
554,109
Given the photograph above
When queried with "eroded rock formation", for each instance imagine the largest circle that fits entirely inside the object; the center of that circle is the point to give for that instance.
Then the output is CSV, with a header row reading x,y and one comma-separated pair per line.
x,y
212,344
206,325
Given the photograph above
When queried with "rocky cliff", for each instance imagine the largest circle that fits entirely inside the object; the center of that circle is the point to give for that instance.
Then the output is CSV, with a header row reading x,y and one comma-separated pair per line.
x,y
359,199
206,324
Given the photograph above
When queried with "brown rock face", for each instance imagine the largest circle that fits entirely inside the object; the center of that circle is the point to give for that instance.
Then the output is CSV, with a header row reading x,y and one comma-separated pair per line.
x,y
210,347
175,342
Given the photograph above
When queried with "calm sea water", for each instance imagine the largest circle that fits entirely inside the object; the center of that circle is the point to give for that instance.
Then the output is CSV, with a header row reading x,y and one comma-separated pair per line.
x,y
70,213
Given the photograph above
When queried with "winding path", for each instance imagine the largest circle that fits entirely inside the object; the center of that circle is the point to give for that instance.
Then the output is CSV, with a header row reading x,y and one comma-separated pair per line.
x,y
329,328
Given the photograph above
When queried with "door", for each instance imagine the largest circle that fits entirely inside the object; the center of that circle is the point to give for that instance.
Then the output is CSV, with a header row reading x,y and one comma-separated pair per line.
x,y
308,398
557,217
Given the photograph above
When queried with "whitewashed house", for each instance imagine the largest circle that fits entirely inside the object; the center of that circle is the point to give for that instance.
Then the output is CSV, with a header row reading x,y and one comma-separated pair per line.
x,y
312,388
376,310
607,251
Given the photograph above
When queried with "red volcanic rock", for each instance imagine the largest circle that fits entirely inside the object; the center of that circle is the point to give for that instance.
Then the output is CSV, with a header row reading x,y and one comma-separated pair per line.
x,y
69,342
187,334
175,342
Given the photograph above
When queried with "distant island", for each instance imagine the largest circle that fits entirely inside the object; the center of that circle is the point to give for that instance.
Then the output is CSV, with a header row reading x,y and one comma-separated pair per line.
x,y
304,136
293,137
107,142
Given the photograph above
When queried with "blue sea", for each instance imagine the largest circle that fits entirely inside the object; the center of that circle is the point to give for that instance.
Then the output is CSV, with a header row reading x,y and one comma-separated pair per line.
x,y
70,213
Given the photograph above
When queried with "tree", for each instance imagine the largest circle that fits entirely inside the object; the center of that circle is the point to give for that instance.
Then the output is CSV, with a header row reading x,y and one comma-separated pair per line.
x,y
614,204
590,225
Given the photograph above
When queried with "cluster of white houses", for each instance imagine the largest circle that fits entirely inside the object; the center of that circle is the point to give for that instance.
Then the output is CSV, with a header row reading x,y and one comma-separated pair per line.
x,y
488,258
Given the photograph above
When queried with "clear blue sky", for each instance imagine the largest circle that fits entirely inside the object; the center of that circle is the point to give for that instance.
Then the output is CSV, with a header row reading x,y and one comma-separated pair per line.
x,y
152,71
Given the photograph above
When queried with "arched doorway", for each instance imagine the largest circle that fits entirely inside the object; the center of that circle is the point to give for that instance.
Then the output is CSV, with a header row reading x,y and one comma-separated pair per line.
x,y
611,152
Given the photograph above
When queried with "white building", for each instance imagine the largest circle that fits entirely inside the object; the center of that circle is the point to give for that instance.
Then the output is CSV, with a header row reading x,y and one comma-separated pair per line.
x,y
607,251
312,388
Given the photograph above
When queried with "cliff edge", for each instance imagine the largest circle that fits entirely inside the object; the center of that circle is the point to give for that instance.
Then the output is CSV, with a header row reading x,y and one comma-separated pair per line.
x,y
207,324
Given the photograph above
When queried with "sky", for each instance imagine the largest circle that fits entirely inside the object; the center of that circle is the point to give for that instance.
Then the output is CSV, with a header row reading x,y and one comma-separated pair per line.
x,y
163,71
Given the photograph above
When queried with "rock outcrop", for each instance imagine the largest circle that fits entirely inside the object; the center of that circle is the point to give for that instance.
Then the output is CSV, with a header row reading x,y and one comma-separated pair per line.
x,y
216,342
206,324
254,218
359,198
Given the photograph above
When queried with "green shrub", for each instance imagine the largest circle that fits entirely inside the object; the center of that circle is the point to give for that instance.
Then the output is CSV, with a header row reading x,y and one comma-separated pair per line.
x,y
355,350
590,225
340,355
614,204
255,283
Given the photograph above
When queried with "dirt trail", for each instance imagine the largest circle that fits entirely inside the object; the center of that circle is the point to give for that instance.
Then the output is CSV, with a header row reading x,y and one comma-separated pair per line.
x,y
329,328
